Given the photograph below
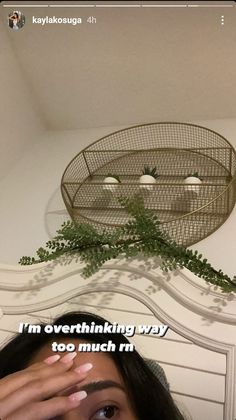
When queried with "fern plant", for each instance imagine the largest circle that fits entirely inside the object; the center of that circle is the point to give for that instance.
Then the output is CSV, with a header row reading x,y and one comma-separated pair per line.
x,y
141,235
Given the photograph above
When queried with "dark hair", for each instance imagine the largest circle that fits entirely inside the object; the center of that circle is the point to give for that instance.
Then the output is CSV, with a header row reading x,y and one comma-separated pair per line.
x,y
149,397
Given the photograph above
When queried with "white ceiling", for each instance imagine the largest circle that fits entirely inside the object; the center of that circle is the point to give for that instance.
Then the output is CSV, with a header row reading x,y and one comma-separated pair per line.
x,y
133,65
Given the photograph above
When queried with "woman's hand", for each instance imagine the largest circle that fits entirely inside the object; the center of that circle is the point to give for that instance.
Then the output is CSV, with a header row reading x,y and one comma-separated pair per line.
x,y
30,393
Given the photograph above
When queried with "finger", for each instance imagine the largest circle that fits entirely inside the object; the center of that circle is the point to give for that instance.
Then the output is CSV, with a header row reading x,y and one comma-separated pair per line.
x,y
50,366
42,389
47,409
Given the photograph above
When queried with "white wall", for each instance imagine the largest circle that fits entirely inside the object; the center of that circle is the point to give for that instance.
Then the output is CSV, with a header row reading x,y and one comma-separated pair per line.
x,y
31,190
32,208
133,65
20,119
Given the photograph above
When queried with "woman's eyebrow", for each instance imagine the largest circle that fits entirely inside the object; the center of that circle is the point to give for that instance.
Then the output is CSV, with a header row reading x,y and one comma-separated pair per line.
x,y
100,385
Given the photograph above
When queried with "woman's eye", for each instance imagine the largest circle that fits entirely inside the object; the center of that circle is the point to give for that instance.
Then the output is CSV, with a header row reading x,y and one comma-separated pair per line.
x,y
104,413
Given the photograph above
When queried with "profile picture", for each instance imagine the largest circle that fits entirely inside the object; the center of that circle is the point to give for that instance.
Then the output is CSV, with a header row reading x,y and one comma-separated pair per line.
x,y
16,20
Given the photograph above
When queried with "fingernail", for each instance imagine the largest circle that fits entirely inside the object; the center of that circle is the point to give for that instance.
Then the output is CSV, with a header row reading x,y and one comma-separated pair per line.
x,y
78,396
84,368
52,359
68,357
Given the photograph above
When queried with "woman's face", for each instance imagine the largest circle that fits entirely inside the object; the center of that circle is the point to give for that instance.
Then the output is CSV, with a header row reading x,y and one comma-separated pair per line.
x,y
107,397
